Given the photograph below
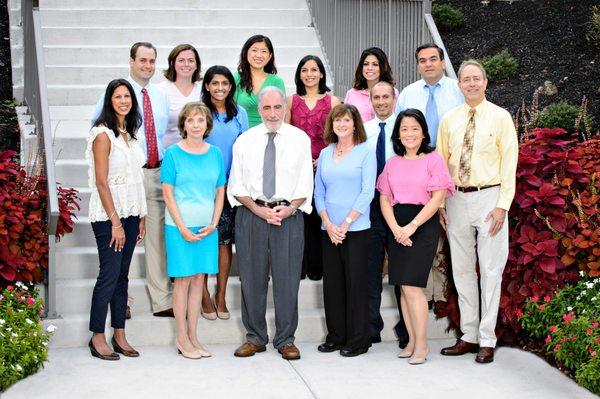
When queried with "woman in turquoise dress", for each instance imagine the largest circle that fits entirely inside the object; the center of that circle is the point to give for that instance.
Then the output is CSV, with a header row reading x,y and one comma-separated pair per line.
x,y
256,70
193,180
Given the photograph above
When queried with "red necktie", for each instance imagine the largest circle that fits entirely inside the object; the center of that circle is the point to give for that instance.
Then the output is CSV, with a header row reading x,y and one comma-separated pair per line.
x,y
150,130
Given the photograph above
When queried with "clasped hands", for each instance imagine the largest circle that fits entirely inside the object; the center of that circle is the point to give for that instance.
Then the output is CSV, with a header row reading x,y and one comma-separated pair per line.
x,y
193,237
402,234
337,234
274,215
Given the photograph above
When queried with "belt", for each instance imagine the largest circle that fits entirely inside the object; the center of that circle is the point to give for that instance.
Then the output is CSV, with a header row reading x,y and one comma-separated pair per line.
x,y
471,189
271,204
146,166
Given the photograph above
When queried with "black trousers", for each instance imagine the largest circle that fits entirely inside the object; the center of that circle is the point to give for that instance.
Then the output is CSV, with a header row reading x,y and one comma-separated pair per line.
x,y
312,262
111,284
344,290
377,247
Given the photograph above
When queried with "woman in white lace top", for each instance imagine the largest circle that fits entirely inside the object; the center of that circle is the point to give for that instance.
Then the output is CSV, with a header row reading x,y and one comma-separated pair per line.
x,y
117,209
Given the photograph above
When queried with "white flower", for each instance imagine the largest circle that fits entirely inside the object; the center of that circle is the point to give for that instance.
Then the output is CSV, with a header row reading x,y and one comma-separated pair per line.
x,y
9,329
569,308
593,298
589,285
45,343
581,273
19,284
20,310
15,335
51,328
28,321
18,367
2,322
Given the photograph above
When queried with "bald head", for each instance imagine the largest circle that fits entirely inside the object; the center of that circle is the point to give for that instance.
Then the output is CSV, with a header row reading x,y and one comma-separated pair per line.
x,y
382,98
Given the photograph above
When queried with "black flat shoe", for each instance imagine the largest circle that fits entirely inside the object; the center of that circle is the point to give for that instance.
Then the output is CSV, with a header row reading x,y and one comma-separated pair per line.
x,y
327,347
347,352
124,352
95,353
375,339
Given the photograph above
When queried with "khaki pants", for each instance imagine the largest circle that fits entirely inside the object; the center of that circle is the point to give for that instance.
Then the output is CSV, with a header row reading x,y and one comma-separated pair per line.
x,y
157,282
470,242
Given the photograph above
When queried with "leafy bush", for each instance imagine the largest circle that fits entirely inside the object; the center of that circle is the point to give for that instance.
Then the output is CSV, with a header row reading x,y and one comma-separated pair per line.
x,y
23,222
499,67
446,17
24,346
554,225
562,115
594,26
569,323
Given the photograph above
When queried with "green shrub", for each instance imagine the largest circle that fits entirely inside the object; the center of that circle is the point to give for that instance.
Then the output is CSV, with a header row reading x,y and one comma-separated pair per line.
x,y
446,17
499,67
594,26
561,114
24,343
569,323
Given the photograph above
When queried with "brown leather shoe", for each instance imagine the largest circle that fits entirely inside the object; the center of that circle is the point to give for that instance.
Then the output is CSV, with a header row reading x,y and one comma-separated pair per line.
x,y
289,352
460,348
249,349
485,355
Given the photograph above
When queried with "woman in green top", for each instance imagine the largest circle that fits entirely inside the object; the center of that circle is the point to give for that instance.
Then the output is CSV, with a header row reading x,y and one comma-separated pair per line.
x,y
256,70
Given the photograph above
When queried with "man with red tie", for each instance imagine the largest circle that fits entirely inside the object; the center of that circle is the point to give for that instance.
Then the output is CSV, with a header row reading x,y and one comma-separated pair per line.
x,y
154,106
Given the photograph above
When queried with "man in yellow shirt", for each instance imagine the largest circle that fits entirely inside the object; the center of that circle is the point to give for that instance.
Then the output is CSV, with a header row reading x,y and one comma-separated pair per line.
x,y
479,142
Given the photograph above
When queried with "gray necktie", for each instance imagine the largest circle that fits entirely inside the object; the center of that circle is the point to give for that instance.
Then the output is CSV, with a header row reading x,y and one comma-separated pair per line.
x,y
269,167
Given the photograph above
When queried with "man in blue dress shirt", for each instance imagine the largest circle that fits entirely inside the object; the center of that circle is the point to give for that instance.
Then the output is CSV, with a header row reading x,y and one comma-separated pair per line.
x,y
152,102
434,95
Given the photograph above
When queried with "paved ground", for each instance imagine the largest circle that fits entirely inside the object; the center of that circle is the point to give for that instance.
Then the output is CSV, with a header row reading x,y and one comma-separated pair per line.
x,y
160,373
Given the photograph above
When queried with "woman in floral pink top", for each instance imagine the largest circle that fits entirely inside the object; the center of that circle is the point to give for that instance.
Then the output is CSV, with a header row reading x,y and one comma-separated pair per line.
x,y
308,110
413,186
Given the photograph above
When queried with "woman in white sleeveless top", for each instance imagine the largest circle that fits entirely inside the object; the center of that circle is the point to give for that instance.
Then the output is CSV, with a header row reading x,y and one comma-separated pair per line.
x,y
116,212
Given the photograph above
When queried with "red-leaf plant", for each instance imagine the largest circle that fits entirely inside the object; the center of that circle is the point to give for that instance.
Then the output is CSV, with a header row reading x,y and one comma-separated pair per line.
x,y
553,225
24,224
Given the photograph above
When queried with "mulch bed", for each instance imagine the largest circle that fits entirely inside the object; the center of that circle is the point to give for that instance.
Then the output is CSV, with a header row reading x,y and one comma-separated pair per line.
x,y
9,128
546,37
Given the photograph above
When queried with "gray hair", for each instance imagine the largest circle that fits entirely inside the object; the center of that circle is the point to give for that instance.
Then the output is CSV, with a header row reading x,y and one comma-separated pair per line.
x,y
269,89
474,63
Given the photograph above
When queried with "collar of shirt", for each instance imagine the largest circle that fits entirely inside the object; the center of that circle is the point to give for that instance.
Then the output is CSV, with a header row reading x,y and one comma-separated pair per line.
x,y
479,108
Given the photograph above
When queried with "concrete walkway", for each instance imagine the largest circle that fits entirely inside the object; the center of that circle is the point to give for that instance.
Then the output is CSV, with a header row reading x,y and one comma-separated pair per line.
x,y
160,373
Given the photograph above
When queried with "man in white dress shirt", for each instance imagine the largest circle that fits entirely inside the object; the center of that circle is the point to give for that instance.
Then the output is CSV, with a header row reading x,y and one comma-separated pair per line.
x,y
271,183
434,95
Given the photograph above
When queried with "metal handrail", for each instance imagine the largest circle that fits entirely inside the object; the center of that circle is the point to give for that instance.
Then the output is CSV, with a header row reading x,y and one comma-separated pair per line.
x,y
35,96
437,39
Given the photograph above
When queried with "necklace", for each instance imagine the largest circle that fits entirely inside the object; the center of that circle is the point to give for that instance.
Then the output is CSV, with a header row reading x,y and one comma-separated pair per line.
x,y
340,151
412,156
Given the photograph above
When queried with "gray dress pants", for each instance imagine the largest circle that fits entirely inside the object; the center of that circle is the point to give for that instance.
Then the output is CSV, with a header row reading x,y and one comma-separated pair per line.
x,y
260,245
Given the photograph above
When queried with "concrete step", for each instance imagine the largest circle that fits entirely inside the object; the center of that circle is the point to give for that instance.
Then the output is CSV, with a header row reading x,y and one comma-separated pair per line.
x,y
209,55
169,4
164,35
150,16
78,299
59,95
102,74
145,330
82,263
72,172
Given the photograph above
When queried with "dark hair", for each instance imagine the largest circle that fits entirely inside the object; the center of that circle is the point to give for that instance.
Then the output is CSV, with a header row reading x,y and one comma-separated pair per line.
x,y
244,66
385,70
429,45
230,107
133,50
192,108
300,89
359,135
418,116
108,117
170,73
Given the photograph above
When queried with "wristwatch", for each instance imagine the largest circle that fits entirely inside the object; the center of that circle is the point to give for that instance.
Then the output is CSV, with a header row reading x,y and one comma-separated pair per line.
x,y
414,221
349,220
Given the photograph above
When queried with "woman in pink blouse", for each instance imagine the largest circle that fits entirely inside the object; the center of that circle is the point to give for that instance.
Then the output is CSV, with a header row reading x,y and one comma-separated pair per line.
x,y
308,110
413,185
372,68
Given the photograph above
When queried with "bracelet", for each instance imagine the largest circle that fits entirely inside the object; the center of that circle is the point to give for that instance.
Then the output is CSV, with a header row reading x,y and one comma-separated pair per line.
x,y
414,221
117,227
214,225
294,209
112,214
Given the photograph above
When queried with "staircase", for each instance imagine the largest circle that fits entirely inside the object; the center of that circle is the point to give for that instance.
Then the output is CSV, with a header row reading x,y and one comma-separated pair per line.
x,y
86,44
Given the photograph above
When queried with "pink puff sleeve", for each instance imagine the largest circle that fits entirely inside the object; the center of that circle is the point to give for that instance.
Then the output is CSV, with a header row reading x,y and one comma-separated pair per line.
x,y
383,184
439,176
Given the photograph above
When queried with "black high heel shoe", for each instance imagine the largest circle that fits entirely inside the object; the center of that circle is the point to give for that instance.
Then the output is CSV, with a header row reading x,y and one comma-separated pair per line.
x,y
124,352
95,353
